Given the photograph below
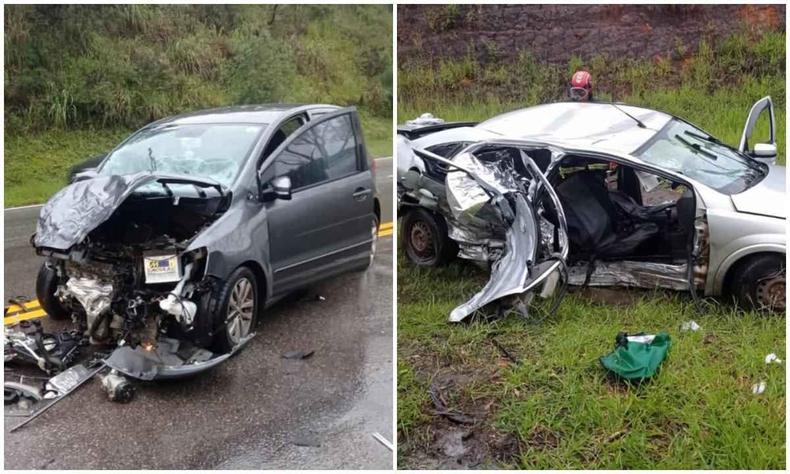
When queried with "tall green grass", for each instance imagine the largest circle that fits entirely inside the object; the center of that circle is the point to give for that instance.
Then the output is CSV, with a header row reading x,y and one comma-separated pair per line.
x,y
80,77
713,88
75,66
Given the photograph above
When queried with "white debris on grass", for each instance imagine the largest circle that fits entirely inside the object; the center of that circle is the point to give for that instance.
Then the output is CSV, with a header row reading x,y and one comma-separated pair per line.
x,y
772,358
690,326
758,388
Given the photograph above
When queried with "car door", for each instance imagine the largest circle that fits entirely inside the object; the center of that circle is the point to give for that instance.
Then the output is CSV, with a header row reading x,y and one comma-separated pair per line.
x,y
521,269
766,150
325,226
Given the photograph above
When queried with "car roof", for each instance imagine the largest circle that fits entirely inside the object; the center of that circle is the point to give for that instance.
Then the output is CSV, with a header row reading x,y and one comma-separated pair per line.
x,y
589,125
261,114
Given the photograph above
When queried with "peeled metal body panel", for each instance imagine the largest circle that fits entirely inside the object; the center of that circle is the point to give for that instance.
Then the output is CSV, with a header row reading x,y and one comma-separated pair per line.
x,y
506,234
510,273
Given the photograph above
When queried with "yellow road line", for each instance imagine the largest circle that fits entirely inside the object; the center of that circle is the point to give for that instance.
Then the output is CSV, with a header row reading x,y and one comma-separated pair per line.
x,y
32,304
38,313
32,309
385,229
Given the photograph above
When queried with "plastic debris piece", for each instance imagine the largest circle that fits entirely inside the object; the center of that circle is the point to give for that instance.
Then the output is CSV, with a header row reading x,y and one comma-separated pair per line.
x,y
758,388
298,354
690,326
381,439
772,358
307,442
320,298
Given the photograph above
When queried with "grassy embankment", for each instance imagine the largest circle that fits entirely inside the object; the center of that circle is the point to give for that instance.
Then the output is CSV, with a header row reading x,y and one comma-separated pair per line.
x,y
556,408
80,78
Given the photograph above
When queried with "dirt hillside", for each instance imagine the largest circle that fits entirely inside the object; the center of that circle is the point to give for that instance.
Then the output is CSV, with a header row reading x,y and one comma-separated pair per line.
x,y
553,33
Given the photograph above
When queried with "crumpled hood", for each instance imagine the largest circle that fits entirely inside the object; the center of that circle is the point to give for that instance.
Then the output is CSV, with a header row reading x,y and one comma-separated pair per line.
x,y
766,198
74,211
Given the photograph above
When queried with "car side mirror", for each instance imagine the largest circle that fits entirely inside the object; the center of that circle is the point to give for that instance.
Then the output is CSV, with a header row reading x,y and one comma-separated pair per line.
x,y
278,188
282,187
764,151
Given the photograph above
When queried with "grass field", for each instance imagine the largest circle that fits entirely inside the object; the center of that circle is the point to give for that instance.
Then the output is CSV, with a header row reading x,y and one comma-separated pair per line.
x,y
37,163
555,407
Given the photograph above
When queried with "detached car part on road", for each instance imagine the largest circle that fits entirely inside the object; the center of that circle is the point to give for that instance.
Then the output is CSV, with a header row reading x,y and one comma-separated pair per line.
x,y
595,194
175,243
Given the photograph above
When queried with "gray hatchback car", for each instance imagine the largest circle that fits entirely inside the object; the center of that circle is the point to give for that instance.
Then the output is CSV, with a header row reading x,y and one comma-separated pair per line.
x,y
195,223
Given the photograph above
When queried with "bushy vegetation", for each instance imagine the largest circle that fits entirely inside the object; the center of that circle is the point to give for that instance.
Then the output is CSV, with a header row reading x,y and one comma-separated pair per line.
x,y
713,87
111,69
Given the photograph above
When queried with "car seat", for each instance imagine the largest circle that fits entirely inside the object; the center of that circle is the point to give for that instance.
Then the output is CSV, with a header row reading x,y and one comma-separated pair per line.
x,y
597,229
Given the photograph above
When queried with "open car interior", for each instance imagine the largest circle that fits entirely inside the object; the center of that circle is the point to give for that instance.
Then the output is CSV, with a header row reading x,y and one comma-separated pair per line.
x,y
615,212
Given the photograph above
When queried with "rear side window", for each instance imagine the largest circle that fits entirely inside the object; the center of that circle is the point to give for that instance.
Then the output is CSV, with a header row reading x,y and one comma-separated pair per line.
x,y
325,152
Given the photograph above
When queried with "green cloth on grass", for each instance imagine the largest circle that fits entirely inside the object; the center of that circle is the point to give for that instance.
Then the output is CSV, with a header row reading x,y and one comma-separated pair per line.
x,y
637,357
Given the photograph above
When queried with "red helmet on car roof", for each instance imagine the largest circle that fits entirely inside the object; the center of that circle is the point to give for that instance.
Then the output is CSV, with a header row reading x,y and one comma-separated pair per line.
x,y
581,86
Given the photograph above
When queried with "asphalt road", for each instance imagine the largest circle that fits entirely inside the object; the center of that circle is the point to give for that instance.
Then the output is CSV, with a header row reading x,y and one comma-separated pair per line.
x,y
256,410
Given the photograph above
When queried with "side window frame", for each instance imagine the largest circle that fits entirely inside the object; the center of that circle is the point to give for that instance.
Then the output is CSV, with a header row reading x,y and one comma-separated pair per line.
x,y
308,127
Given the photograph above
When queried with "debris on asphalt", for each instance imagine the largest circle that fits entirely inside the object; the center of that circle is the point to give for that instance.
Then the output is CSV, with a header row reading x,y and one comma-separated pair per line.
x,y
297,355
772,358
118,388
14,391
320,298
758,388
307,442
381,439
690,326
27,342
68,380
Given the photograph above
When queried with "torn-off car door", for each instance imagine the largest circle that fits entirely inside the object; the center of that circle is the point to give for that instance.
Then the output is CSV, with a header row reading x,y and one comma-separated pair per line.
x,y
490,209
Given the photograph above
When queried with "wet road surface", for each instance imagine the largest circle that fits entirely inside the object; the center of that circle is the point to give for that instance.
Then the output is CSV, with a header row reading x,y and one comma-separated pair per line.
x,y
256,410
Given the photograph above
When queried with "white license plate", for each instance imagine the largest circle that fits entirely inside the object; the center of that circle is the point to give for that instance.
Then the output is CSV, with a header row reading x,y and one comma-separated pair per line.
x,y
161,269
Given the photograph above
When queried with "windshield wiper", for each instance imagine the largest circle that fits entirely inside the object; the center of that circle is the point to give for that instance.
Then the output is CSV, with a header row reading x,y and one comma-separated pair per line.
x,y
696,148
708,138
638,122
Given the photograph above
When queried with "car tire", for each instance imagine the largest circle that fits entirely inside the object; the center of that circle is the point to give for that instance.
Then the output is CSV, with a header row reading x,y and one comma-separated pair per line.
x,y
758,283
425,239
47,283
233,319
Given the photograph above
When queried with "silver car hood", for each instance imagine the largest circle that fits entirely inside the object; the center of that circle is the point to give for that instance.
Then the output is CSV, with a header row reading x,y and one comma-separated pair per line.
x,y
766,198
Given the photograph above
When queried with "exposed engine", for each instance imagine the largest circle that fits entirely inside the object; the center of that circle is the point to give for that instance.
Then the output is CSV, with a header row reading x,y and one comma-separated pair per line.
x,y
130,279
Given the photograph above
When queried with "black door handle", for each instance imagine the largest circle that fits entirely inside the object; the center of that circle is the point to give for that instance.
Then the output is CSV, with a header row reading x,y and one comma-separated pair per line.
x,y
360,194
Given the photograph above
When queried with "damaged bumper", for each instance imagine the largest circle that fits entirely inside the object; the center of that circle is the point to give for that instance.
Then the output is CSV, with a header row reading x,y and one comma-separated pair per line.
x,y
170,359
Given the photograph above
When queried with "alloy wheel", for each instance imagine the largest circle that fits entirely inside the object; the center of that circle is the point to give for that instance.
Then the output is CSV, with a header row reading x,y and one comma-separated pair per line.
x,y
240,310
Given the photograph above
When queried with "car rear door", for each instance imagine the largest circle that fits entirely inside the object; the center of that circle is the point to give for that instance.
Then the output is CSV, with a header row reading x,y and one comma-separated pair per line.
x,y
325,226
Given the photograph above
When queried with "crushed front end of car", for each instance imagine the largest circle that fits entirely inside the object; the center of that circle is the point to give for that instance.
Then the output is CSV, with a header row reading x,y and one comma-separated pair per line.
x,y
119,263
500,212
